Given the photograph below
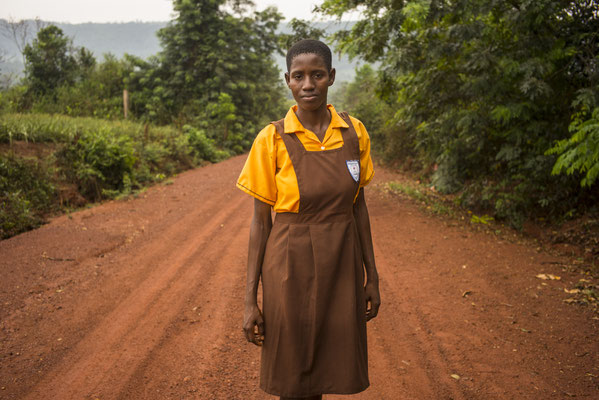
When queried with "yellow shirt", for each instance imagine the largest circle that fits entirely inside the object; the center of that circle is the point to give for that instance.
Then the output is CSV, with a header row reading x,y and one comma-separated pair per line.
x,y
268,173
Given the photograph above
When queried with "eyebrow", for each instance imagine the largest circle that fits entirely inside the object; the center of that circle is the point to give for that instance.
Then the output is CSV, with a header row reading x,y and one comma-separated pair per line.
x,y
314,70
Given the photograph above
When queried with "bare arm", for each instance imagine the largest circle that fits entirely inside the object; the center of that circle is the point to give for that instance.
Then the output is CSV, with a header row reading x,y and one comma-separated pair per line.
x,y
253,323
371,289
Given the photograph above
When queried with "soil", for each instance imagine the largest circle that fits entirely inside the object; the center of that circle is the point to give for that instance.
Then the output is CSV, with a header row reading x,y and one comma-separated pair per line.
x,y
143,299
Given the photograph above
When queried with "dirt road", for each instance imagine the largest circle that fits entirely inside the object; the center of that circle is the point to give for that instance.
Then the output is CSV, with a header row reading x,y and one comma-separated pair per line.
x,y
143,299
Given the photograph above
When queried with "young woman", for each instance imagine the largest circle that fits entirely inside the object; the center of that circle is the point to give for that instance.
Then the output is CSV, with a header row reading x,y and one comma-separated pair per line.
x,y
310,167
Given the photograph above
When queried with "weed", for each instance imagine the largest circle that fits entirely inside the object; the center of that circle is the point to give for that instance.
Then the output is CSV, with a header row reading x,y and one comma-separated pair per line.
x,y
422,195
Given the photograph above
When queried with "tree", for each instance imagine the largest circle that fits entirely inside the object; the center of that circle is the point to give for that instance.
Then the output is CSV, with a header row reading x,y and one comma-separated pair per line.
x,y
51,61
483,89
300,30
211,48
20,32
360,98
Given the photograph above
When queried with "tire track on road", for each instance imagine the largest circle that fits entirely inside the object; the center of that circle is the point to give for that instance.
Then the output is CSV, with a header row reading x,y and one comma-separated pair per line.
x,y
192,350
110,352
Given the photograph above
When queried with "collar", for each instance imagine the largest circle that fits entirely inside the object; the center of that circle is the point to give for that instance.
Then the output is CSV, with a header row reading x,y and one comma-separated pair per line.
x,y
292,124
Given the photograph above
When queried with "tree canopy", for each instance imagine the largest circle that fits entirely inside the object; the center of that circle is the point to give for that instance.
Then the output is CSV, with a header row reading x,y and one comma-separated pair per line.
x,y
215,70
52,61
483,90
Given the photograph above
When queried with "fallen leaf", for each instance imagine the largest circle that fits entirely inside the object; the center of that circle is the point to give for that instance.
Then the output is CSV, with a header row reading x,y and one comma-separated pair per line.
x,y
549,277
466,293
570,301
455,376
571,291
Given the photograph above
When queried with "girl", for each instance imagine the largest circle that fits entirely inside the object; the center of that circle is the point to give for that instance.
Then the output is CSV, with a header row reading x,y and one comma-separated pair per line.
x,y
310,167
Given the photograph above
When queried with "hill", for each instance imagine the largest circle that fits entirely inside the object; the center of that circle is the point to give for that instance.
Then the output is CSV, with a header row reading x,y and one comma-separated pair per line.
x,y
139,39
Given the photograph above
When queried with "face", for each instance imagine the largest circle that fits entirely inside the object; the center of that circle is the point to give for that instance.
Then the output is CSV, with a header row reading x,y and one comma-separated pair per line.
x,y
309,81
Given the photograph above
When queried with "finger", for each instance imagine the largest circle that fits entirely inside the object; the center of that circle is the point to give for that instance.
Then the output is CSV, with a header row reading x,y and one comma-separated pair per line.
x,y
369,316
373,311
258,337
368,311
249,334
376,307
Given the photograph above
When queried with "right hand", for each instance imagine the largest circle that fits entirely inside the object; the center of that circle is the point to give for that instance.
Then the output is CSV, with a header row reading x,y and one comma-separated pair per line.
x,y
253,325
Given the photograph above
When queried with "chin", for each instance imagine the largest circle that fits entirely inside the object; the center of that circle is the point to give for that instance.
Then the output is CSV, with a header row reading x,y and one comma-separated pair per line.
x,y
311,106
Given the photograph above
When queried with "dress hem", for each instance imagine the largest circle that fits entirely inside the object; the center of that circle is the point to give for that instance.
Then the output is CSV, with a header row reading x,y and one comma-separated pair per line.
x,y
314,393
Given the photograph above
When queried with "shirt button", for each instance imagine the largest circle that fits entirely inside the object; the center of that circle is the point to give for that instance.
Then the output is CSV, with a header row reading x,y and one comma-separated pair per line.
x,y
321,147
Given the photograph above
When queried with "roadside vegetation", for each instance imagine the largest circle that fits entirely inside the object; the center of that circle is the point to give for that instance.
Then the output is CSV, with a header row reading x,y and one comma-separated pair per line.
x,y
51,162
495,102
64,139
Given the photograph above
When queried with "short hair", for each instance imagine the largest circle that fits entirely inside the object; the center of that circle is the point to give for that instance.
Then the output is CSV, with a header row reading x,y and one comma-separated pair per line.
x,y
310,46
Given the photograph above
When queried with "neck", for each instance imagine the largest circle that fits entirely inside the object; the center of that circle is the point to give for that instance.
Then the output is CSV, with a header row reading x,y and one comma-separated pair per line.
x,y
315,120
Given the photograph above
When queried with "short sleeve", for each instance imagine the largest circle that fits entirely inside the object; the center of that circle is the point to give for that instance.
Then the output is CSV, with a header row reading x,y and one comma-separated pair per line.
x,y
258,175
366,168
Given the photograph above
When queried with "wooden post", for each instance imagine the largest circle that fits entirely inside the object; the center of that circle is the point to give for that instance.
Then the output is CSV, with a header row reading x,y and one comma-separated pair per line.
x,y
126,102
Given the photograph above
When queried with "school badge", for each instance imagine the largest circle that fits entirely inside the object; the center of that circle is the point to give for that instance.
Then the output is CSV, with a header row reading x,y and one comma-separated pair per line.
x,y
354,169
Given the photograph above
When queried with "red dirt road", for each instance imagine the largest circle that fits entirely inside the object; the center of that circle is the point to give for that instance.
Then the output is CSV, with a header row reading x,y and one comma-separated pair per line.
x,y
143,299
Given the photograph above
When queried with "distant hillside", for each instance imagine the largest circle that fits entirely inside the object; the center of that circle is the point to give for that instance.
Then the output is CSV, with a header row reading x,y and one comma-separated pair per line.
x,y
139,39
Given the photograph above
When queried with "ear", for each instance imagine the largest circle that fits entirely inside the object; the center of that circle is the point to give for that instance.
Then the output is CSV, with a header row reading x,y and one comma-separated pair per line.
x,y
332,76
287,78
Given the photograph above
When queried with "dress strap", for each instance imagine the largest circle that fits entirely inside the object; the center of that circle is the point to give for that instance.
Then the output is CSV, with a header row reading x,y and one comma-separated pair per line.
x,y
350,137
292,143
279,126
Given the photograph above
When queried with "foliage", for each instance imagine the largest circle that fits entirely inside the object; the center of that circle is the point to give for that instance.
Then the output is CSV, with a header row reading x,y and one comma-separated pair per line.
x,y
216,63
300,30
215,73
100,162
26,193
580,153
361,100
420,194
104,158
51,61
482,90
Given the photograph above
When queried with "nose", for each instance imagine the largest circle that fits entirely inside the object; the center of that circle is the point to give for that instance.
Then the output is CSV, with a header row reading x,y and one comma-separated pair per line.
x,y
308,83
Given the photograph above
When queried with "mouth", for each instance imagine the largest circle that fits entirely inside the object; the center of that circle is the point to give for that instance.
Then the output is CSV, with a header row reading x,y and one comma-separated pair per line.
x,y
310,97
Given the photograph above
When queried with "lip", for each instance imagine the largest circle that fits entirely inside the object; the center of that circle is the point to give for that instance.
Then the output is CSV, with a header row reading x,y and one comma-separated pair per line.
x,y
310,97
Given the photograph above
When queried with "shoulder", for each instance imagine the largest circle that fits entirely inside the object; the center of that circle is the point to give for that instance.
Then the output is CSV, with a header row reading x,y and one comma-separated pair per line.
x,y
358,125
267,136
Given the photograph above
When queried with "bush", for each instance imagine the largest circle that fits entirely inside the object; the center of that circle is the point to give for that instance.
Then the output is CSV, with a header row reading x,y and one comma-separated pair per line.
x,y
101,159
100,163
26,194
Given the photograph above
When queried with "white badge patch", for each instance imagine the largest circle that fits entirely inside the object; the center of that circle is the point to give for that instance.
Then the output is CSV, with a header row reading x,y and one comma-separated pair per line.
x,y
354,169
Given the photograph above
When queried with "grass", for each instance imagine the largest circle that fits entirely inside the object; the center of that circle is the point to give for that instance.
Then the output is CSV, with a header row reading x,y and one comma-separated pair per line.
x,y
428,199
86,160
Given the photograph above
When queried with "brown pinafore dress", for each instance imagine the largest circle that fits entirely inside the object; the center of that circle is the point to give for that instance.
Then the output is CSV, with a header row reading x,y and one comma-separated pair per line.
x,y
313,279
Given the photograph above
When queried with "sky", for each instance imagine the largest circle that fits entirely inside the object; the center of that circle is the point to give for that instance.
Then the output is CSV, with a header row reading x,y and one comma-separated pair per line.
x,y
80,11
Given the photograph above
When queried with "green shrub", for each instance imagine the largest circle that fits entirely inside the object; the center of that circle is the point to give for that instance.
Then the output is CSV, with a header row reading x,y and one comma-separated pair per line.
x,y
202,146
100,163
580,153
26,194
101,159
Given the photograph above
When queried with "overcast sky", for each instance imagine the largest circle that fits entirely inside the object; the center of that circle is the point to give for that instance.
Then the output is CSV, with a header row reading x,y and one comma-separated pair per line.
x,y
78,11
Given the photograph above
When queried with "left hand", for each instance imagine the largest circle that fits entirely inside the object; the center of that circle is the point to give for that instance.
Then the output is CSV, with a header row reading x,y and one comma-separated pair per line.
x,y
373,300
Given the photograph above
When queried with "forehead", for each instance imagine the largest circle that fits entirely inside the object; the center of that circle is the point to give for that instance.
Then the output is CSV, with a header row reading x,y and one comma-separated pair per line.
x,y
307,61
